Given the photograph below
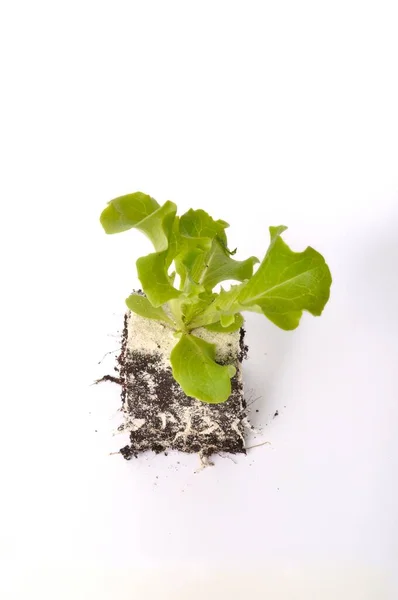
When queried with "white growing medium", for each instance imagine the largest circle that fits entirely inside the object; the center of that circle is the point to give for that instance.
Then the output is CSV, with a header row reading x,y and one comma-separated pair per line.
x,y
150,336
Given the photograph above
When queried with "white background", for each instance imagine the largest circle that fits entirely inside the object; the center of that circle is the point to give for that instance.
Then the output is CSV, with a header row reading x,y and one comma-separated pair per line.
x,y
262,113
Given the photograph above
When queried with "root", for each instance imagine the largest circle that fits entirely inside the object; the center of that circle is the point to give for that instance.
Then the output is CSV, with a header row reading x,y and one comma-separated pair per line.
x,y
258,445
224,455
204,462
107,354
111,378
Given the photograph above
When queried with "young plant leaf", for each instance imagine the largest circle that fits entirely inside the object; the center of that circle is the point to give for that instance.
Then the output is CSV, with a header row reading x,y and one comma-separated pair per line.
x,y
227,320
196,233
158,226
220,267
287,283
191,263
174,242
194,304
141,306
199,224
224,303
195,369
204,259
141,212
125,212
234,326
156,283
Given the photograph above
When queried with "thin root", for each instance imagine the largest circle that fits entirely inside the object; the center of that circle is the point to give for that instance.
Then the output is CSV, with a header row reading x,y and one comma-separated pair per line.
x,y
257,445
107,354
223,455
251,402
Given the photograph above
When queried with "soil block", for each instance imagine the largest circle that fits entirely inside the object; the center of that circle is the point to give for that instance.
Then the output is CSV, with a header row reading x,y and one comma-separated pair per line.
x,y
158,415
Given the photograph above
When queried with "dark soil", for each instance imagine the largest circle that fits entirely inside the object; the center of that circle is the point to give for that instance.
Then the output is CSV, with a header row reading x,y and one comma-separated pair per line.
x,y
172,420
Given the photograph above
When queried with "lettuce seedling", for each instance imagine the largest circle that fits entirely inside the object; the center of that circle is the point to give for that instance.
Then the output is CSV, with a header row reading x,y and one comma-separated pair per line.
x,y
194,247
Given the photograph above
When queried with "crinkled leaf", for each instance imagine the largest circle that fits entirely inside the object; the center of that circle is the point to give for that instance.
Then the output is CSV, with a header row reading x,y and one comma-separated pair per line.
x,y
203,258
224,303
125,212
156,283
194,304
219,266
199,224
227,300
158,225
195,369
287,283
234,326
184,251
141,306
174,242
142,212
197,230
191,264
188,306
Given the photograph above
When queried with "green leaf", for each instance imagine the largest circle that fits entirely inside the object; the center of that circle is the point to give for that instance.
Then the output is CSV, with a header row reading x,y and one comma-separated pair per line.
x,y
224,303
227,320
199,224
142,212
174,242
158,225
219,266
197,230
156,283
194,304
203,258
125,212
191,264
287,283
190,252
234,326
141,306
195,369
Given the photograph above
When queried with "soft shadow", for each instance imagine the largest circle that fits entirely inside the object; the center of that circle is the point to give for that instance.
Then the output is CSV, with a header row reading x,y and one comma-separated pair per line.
x,y
269,347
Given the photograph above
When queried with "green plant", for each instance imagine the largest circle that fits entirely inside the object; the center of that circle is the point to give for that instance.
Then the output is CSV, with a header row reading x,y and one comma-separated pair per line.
x,y
194,247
